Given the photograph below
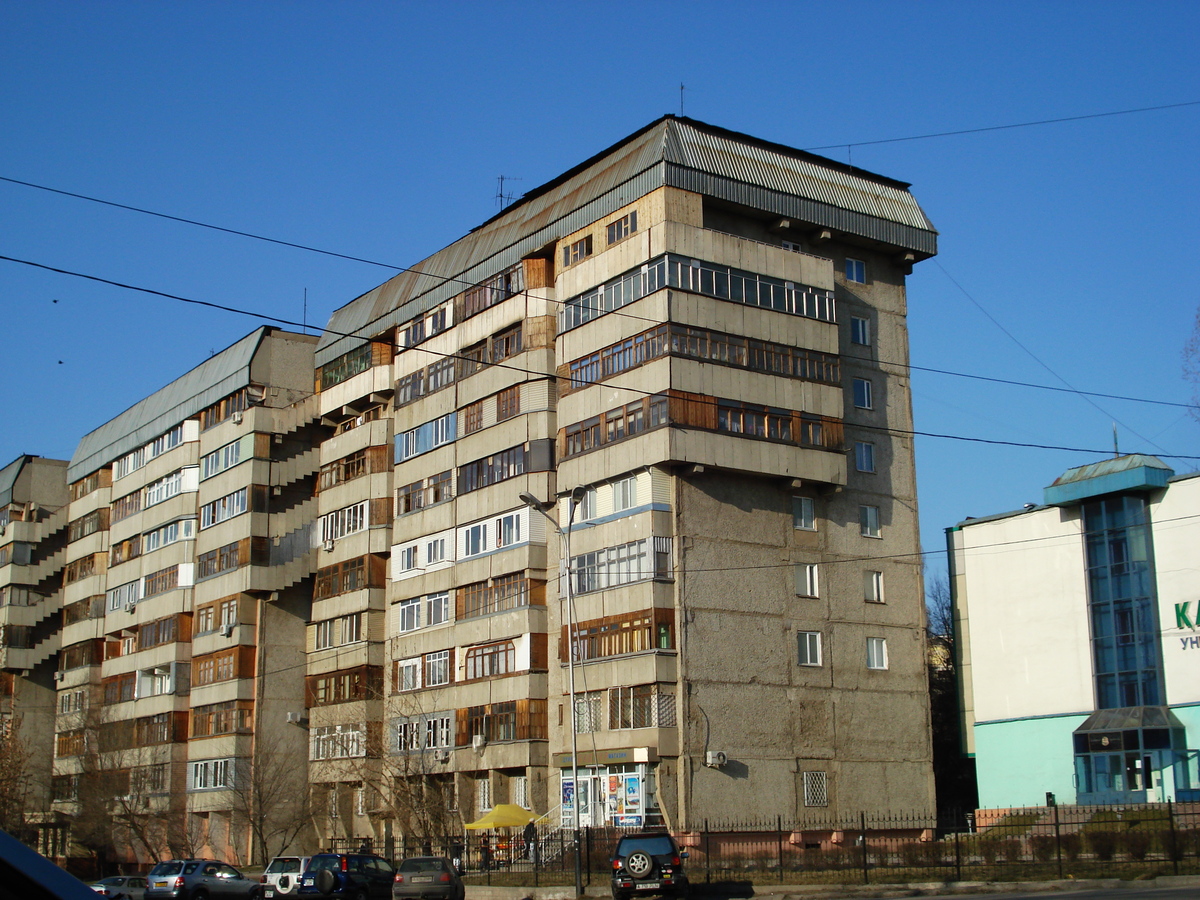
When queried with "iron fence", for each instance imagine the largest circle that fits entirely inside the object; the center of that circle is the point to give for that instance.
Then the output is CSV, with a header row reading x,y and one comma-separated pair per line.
x,y
1021,844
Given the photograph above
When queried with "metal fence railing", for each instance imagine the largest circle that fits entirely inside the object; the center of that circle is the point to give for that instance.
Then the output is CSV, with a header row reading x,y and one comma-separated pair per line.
x,y
1022,844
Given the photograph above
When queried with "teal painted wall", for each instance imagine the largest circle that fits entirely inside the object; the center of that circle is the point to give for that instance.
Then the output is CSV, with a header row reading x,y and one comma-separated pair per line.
x,y
1016,762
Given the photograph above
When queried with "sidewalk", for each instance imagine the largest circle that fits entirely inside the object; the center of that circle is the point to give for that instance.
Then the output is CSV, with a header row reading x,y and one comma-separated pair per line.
x,y
856,891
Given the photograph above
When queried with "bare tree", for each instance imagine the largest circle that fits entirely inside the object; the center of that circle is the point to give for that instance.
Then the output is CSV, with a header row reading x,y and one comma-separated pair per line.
x,y
953,771
15,784
271,796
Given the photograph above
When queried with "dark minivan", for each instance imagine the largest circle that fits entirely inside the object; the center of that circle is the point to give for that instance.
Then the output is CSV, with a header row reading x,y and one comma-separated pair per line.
x,y
347,876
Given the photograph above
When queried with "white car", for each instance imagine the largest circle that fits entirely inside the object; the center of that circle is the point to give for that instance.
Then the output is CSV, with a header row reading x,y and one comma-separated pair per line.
x,y
282,876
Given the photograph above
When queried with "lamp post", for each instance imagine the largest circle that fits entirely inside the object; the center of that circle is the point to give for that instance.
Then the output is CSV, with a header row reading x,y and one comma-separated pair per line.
x,y
577,494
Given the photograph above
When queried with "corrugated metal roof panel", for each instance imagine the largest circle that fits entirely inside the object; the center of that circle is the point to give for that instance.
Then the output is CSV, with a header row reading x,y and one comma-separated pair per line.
x,y
216,377
8,478
683,152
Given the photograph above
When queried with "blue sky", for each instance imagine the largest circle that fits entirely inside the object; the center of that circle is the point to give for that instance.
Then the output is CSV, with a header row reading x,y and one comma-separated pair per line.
x,y
378,130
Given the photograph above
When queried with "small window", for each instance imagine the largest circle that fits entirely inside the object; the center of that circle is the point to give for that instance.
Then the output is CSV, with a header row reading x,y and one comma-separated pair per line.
x,y
868,521
862,394
816,789
508,403
864,456
625,493
410,614
877,653
873,586
856,271
623,227
809,648
804,514
860,331
580,250
806,580
794,246
473,417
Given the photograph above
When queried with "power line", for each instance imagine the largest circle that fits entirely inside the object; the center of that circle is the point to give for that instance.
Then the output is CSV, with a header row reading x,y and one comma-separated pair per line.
x,y
288,322
1044,365
938,134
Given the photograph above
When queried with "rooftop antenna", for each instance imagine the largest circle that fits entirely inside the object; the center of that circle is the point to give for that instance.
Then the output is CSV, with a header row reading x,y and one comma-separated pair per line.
x,y
503,199
304,318
1116,449
681,98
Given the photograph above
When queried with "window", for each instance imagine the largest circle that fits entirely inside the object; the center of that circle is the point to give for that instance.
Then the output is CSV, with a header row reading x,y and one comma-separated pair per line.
x,y
209,774
520,791
579,250
410,614
507,343
625,493
408,558
435,551
221,459
508,530
804,514
868,521
182,530
816,789
877,657
508,403
473,417
640,706
623,564
426,437
809,648
862,394
491,660
408,674
589,712
623,227
437,609
483,795
806,580
860,331
225,508
336,525
474,539
437,668
856,271
873,586
864,456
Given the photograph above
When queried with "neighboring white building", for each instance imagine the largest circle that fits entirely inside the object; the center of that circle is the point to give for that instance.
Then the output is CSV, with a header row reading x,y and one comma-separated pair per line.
x,y
1079,639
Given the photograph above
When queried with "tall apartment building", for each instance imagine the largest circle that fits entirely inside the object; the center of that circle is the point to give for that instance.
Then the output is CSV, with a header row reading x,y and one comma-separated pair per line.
x,y
33,535
186,593
692,349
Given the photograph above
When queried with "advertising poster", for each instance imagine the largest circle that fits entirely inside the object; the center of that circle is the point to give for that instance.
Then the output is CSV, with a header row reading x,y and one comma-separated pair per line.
x,y
568,795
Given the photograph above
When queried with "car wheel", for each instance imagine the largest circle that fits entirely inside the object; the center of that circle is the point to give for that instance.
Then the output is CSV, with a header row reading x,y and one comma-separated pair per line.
x,y
199,894
361,895
639,864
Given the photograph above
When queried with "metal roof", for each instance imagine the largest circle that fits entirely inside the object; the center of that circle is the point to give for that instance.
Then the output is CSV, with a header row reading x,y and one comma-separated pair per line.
x,y
8,478
671,151
216,377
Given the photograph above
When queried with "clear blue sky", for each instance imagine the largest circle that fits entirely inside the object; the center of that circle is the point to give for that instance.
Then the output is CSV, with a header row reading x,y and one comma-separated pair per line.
x,y
378,130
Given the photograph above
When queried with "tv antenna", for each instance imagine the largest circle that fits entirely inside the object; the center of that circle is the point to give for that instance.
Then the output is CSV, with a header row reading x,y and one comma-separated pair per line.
x,y
503,199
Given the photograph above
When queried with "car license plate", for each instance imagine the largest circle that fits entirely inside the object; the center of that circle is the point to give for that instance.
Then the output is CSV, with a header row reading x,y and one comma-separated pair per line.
x,y
649,885
268,893
308,881
422,879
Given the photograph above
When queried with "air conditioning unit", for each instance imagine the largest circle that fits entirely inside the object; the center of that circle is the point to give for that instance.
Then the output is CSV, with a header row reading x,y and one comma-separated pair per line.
x,y
238,416
297,718
130,605
442,755
478,741
715,758
59,676
328,545
227,629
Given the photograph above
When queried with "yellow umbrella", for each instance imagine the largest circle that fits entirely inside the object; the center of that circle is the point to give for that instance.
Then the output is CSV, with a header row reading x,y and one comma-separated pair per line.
x,y
503,815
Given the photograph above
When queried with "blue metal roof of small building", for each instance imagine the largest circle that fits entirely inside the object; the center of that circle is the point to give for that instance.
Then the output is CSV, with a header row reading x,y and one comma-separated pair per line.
x,y
1135,472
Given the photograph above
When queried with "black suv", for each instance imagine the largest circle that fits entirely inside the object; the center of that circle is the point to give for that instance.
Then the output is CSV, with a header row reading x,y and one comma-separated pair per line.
x,y
347,876
649,862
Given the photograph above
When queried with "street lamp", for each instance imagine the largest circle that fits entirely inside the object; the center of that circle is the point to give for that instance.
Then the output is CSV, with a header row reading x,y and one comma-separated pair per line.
x,y
577,494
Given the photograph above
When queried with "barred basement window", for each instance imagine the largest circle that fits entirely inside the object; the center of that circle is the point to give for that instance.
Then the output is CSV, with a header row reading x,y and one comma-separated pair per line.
x,y
816,789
